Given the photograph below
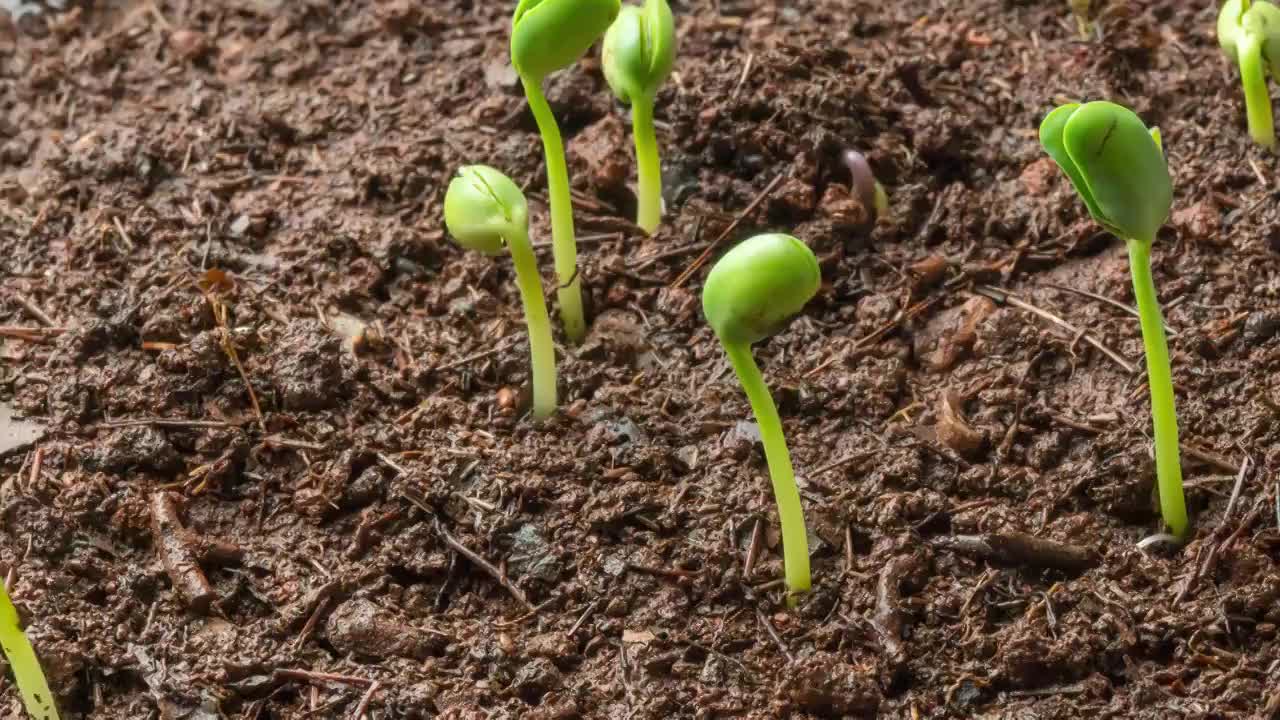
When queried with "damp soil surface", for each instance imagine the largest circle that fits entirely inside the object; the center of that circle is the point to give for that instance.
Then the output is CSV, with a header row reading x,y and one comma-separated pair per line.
x,y
263,433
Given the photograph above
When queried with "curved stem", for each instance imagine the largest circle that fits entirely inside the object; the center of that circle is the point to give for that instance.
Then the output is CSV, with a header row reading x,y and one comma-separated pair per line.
x,y
795,540
542,354
649,213
32,685
1257,101
563,245
1160,379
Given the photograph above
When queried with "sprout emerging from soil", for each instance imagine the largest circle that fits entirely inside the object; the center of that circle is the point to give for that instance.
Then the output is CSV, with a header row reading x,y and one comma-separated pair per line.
x,y
485,211
32,685
1249,33
863,182
639,50
750,294
1080,9
546,36
1118,167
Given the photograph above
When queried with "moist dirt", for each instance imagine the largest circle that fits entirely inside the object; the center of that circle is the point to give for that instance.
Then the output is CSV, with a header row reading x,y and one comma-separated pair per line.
x,y
264,451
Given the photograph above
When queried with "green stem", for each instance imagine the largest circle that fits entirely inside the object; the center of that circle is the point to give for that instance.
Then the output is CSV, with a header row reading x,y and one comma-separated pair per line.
x,y
795,541
649,213
1160,379
563,245
1257,101
542,354
32,685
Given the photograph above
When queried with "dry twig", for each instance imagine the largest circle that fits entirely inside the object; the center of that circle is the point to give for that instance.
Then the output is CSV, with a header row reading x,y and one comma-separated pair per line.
x,y
1015,548
1004,296
475,559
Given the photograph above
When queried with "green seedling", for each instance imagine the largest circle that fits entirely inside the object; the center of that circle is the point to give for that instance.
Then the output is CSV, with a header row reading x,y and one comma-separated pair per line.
x,y
1249,33
750,294
1118,167
485,211
546,36
639,50
32,686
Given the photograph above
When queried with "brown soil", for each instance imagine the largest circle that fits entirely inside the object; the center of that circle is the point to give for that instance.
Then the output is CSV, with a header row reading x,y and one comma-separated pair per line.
x,y
204,205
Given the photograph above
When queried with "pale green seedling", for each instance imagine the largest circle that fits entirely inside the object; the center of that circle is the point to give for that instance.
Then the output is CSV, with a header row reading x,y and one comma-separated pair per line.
x,y
1118,168
1249,33
750,294
638,53
485,211
546,36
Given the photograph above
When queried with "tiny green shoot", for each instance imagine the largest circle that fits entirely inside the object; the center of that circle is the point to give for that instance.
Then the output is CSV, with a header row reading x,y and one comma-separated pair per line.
x,y
1249,33
485,211
32,686
638,53
750,294
1118,168
546,36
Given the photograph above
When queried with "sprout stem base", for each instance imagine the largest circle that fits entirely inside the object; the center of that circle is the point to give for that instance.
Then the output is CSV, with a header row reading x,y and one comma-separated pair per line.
x,y
1257,101
1160,379
649,210
795,540
542,354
